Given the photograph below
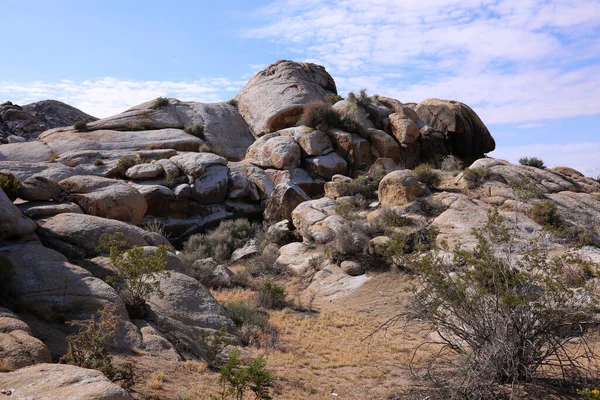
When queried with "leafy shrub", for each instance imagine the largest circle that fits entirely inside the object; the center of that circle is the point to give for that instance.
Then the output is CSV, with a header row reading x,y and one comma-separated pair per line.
x,y
451,164
334,98
10,185
427,175
125,163
232,102
319,115
197,130
253,328
98,163
213,345
160,102
271,296
475,176
545,213
508,318
347,211
236,381
264,264
137,273
364,185
392,218
80,126
88,347
402,244
532,162
221,242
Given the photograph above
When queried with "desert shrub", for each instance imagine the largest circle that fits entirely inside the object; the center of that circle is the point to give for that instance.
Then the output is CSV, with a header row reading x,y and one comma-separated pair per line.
x,y
197,130
98,163
205,148
155,226
508,319
134,126
125,163
171,181
136,273
236,380
221,242
232,102
593,394
451,164
475,176
319,115
364,185
160,102
271,296
213,345
347,211
426,206
402,244
80,126
334,98
53,156
362,99
88,348
264,264
532,162
10,185
427,175
544,213
253,328
393,218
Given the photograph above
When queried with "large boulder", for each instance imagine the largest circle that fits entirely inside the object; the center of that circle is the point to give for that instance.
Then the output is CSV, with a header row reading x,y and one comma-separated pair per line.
x,y
107,198
28,151
47,209
274,151
194,164
354,148
211,187
18,348
60,381
399,187
313,142
275,97
12,223
38,187
384,145
467,136
327,166
404,129
285,198
78,235
144,171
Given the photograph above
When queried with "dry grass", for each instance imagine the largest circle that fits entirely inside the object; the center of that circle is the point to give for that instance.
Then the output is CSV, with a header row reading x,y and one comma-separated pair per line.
x,y
194,366
5,366
156,380
236,294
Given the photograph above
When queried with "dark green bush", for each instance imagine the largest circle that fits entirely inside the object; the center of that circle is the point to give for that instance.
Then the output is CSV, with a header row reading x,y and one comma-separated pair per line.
x,y
197,130
393,218
80,126
402,244
221,242
544,213
253,328
532,162
10,185
334,98
236,380
319,115
271,296
160,102
427,175
364,185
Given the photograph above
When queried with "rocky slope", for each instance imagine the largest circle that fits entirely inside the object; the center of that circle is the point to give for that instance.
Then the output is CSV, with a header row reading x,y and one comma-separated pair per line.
x,y
189,165
19,123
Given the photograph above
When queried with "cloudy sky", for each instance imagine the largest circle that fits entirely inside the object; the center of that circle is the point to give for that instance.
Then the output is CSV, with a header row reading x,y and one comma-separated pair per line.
x,y
529,68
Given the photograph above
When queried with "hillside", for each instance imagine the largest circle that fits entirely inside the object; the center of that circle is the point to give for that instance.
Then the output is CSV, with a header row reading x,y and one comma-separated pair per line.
x,y
316,212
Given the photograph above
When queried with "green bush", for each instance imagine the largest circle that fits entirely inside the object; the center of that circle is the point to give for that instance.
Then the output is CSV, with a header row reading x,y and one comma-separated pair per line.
x,y
125,163
80,126
98,163
506,318
253,328
136,273
392,218
347,211
334,98
10,185
475,176
197,130
221,242
427,175
364,185
236,380
532,162
88,348
213,345
402,244
160,102
271,296
544,213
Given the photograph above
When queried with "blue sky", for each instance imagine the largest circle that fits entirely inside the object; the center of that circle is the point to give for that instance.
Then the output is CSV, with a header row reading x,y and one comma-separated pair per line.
x,y
529,68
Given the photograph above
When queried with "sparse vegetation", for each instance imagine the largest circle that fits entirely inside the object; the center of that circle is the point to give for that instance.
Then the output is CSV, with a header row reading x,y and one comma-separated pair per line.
x,y
221,242
402,244
319,115
98,163
136,273
545,213
155,226
334,98
160,102
53,156
253,328
507,320
362,99
271,296
232,102
475,176
427,175
236,380
134,126
532,162
393,218
80,126
205,148
364,185
197,130
89,347
451,164
125,163
156,380
10,185
213,346
347,211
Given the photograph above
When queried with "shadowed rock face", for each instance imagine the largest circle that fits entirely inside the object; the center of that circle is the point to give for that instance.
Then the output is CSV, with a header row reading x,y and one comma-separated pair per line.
x,y
275,97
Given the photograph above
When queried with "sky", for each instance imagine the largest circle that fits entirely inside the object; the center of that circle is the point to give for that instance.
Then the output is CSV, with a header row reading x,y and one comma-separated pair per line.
x,y
529,68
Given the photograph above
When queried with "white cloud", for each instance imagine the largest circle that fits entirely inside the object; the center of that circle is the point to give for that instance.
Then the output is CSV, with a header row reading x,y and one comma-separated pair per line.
x,y
109,96
581,156
511,60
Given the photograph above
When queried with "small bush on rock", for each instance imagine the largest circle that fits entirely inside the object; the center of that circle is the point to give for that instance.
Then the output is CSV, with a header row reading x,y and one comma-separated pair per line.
x,y
213,345
334,98
80,126
365,186
197,130
475,176
392,218
319,115
160,102
532,162
10,185
136,273
221,242
427,175
88,348
451,164
125,163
